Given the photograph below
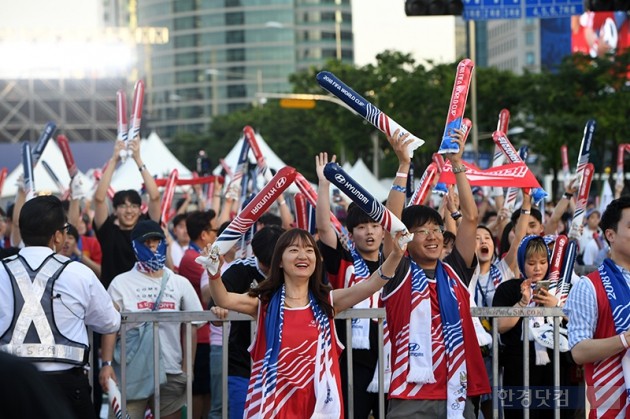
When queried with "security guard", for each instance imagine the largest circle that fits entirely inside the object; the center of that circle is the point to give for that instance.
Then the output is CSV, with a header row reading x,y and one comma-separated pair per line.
x,y
48,301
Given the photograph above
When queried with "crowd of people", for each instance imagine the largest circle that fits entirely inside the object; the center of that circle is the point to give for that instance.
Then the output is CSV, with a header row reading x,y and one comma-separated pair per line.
x,y
79,263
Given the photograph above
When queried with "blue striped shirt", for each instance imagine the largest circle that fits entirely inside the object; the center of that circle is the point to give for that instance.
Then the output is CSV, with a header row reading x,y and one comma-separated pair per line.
x,y
581,308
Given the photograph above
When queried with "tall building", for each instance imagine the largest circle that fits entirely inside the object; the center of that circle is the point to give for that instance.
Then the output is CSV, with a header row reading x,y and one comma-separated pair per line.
x,y
222,53
527,44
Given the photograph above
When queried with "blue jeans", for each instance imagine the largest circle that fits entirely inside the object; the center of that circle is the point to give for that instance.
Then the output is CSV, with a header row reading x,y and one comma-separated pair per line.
x,y
237,394
216,382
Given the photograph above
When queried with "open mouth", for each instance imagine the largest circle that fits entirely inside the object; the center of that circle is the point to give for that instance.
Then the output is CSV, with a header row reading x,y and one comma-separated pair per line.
x,y
484,250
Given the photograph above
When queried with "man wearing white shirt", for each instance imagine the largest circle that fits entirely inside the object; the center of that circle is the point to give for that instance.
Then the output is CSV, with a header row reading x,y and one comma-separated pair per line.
x,y
48,301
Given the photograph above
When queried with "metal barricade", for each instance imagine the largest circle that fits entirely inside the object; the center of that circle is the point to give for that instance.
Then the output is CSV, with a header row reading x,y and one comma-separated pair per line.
x,y
526,312
188,318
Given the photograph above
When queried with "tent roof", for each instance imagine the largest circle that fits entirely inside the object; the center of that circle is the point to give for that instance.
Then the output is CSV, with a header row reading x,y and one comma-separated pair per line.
x,y
43,182
273,161
158,159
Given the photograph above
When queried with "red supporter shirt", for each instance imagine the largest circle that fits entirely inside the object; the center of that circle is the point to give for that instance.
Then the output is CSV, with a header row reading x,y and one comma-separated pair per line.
x,y
193,271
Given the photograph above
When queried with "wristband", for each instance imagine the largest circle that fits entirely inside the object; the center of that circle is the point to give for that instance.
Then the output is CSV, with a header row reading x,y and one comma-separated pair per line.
x,y
107,363
526,212
567,195
460,169
141,168
387,278
521,305
283,202
624,341
399,188
456,215
401,175
215,276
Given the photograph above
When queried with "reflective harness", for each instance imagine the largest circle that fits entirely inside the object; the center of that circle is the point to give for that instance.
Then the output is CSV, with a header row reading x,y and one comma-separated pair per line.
x,y
33,333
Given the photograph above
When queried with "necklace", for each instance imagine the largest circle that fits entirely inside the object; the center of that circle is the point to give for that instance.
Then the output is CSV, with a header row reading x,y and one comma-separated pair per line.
x,y
295,298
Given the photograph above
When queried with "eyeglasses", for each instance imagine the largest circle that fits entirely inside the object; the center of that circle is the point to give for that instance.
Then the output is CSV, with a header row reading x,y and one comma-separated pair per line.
x,y
65,228
424,232
128,206
213,230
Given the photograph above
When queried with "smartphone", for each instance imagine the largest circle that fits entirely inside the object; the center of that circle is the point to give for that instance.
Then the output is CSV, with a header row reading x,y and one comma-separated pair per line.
x,y
541,285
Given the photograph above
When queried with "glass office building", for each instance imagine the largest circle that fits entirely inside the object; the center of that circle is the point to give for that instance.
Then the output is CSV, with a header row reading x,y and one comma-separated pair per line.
x,y
222,53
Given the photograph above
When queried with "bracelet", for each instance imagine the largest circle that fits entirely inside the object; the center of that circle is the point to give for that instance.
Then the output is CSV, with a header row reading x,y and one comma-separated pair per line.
x,y
526,212
107,363
399,188
567,195
624,341
217,195
283,202
456,215
521,305
401,175
141,168
215,276
460,169
383,276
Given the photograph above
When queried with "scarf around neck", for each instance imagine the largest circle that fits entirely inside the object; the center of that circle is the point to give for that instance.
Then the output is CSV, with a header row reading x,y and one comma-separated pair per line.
x,y
264,398
420,355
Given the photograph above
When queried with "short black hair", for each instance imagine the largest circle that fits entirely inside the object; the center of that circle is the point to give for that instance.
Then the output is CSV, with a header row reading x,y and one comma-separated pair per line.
x,y
355,216
612,215
40,218
72,231
419,215
197,222
127,195
264,242
269,219
449,237
487,216
179,218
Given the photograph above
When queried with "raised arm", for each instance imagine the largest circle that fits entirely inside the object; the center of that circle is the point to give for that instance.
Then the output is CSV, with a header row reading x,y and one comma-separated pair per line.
x,y
551,224
397,194
519,232
467,229
285,213
344,298
149,182
325,230
242,303
101,210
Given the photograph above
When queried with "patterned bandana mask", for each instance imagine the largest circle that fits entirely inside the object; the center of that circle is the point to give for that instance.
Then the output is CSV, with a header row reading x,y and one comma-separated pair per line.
x,y
147,260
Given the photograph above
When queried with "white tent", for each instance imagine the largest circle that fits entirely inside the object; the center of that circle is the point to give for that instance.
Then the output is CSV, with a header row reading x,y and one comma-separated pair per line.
x,y
158,159
365,178
271,158
43,182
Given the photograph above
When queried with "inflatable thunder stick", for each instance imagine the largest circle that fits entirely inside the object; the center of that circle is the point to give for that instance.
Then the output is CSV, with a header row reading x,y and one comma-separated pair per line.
x,y
167,197
42,141
247,217
68,157
371,113
456,109
336,175
27,165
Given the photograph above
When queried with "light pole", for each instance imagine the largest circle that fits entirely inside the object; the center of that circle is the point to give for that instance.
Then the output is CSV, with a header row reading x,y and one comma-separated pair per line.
x,y
338,20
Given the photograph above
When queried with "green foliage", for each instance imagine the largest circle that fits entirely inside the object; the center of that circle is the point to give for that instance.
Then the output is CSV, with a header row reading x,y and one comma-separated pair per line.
x,y
552,107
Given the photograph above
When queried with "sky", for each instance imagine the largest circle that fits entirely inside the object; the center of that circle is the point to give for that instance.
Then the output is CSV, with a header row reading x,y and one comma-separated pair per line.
x,y
377,24
382,24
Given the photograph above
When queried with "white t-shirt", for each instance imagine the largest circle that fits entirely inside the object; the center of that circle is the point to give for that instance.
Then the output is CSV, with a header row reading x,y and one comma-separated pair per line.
x,y
136,292
585,239
482,287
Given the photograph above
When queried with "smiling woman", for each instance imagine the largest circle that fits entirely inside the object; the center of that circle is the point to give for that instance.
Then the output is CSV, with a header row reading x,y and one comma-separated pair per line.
x,y
294,370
